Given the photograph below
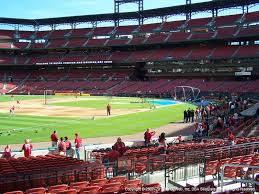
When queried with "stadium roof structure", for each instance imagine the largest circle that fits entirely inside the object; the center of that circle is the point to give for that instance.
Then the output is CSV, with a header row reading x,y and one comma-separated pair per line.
x,y
212,6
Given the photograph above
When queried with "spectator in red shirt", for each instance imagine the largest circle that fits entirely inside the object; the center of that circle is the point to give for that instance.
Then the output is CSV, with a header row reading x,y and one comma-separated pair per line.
x,y
68,146
120,146
231,138
62,146
148,137
7,152
27,148
78,143
54,139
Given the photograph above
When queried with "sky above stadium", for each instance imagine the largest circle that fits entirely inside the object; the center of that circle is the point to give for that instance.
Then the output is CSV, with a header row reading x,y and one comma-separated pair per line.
x,y
34,9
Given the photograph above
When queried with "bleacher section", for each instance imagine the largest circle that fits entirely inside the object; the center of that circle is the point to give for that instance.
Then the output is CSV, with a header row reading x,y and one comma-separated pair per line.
x,y
187,53
73,176
232,26
69,176
101,82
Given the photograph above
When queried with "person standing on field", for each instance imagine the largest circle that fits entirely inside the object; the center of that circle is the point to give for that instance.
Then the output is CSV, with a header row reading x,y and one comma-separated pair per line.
x,y
12,111
109,107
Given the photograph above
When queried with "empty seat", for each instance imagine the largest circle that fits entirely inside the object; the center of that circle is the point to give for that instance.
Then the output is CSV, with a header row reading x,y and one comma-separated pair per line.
x,y
229,20
70,191
120,179
211,167
57,187
113,185
90,190
149,27
39,190
14,192
99,182
82,184
132,182
112,189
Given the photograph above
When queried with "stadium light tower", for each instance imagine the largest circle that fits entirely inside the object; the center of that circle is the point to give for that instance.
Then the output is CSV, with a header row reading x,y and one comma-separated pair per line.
x,y
118,3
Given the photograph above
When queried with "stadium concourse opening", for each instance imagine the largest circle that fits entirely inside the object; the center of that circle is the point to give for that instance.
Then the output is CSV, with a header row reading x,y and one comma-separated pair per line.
x,y
161,100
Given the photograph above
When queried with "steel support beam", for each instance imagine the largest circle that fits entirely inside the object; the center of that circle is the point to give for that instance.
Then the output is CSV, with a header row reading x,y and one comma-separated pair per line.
x,y
118,3
188,15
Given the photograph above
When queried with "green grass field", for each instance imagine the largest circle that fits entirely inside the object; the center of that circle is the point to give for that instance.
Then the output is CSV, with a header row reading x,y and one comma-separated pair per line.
x,y
38,128
7,98
101,102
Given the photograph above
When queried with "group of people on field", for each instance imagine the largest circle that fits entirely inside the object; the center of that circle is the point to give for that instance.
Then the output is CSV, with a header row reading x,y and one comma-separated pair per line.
x,y
64,146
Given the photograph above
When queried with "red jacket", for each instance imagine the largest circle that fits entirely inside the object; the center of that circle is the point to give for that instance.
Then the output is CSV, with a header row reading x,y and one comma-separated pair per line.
x,y
148,136
120,147
54,137
78,142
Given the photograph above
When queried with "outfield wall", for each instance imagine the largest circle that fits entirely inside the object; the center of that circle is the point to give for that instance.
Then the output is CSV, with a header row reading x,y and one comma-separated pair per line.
x,y
71,94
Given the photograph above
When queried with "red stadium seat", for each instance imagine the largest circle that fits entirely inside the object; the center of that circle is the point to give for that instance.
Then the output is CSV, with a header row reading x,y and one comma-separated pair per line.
x,y
14,192
70,191
99,182
57,187
120,179
82,184
39,190
90,190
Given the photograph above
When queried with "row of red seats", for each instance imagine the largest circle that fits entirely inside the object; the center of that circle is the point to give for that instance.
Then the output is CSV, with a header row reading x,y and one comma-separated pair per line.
x,y
215,167
219,21
114,185
186,53
74,82
129,87
243,129
46,170
174,148
69,75
227,32
177,152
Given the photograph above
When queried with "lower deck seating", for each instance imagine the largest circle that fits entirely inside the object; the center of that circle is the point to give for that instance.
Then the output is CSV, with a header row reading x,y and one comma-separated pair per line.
x,y
75,80
117,184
